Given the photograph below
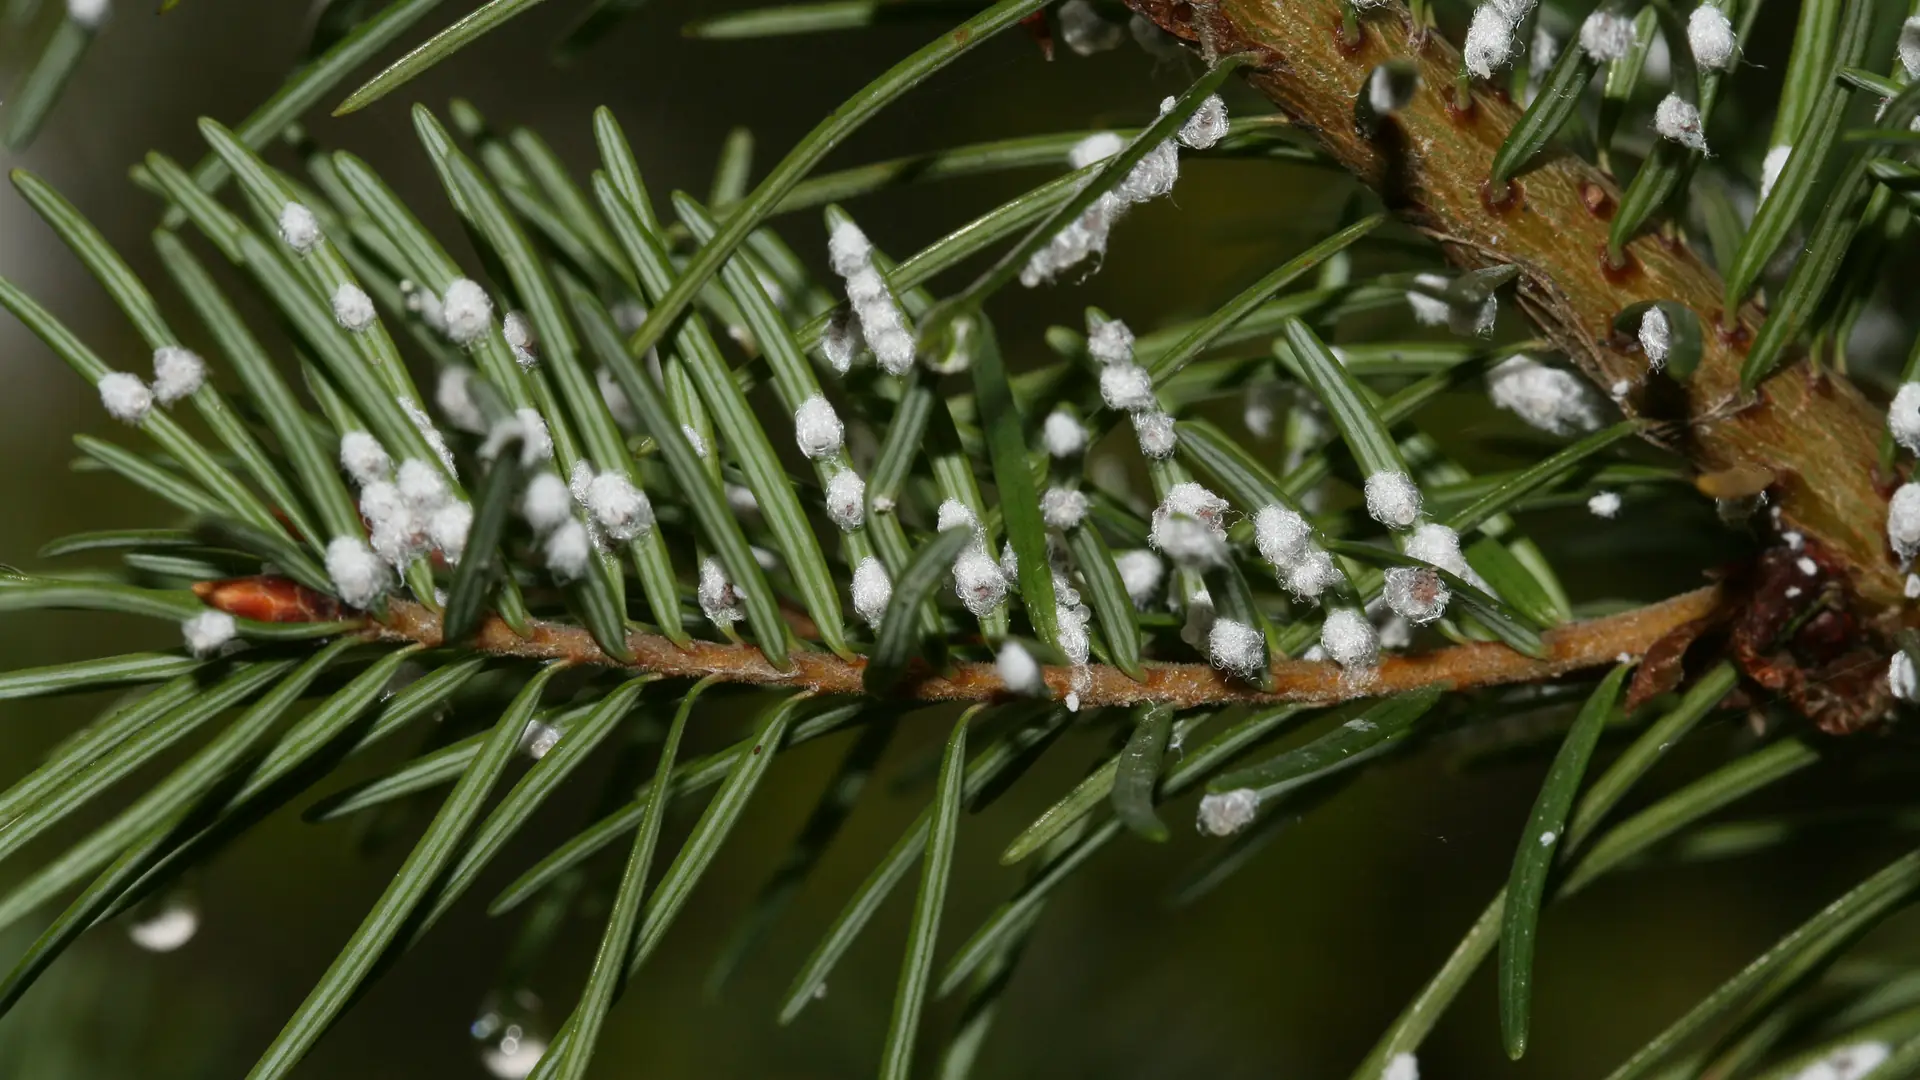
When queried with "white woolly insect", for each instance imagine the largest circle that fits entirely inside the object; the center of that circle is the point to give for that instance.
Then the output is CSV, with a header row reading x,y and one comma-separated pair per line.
x,y
1604,504
1438,545
978,580
579,479
1912,586
1548,398
851,255
166,928
1393,499
1429,310
1228,812
1009,562
1085,31
1096,147
1710,36
1063,508
1679,120
1084,238
1403,1067
467,311
352,307
1062,435
1909,47
546,504
363,458
177,373
1656,337
1350,639
1416,594
518,333
1190,526
208,632
569,549
1901,678
1127,387
1489,40
422,486
1314,573
1019,670
1207,125
125,397
954,514
299,227
1903,416
839,341
1153,175
847,499
694,440
1855,1061
1141,574
447,529
872,589
1776,160
1154,429
1109,341
1236,648
90,14
619,507
1606,36
720,600
358,575
453,394
1281,535
817,428
1903,520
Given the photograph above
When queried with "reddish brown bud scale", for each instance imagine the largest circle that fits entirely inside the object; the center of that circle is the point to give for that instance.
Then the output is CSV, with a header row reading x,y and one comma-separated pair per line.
x,y
265,598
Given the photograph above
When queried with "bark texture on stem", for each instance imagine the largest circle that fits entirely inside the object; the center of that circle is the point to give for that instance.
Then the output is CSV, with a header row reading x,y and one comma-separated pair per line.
x,y
1569,648
1813,434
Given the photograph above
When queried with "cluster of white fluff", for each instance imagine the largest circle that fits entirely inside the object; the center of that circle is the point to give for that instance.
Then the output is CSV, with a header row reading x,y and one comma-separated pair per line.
x,y
1854,1061
353,308
1127,387
1019,670
299,227
1903,520
1063,508
1606,35
453,393
1151,177
359,576
872,590
847,499
1490,35
1903,423
1438,545
466,310
620,509
208,633
177,373
409,512
1063,435
124,396
1403,1067
1710,36
1548,398
978,580
1467,320
1393,499
1604,504
90,14
526,425
1678,120
1236,648
1350,640
721,601
1416,594
518,333
874,307
817,428
1285,540
1084,29
1141,574
1228,812
1190,526
1656,337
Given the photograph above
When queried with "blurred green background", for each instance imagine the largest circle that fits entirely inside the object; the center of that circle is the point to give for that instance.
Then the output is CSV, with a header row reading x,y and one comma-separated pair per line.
x,y
1289,970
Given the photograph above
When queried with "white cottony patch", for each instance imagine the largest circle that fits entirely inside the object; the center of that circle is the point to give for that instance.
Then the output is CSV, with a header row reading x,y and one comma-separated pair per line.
x,y
872,589
1312,575
1207,125
1062,435
1710,36
1770,168
720,600
518,333
1236,648
1228,812
1489,40
1096,147
1547,838
1807,566
1085,31
126,398
1190,526
1912,587
848,249
447,529
978,580
1154,174
1548,398
1403,1067
619,507
398,535
547,503
364,459
453,393
1903,520
1393,499
208,632
1604,504
839,341
1901,678
1903,416
847,499
1606,36
422,486
1127,387
1350,639
953,514
467,311
352,307
1438,545
817,428
1063,508
91,14
1429,310
164,928
1656,337
1416,594
1679,120
1282,535
1084,238
1009,562
1855,1061
568,549
359,576
694,440
1909,47
1141,574
177,373
1019,670
299,228
1154,429
1109,341
851,255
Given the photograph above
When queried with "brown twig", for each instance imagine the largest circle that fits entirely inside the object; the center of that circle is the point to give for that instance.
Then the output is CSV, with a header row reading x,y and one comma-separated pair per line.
x,y
1569,648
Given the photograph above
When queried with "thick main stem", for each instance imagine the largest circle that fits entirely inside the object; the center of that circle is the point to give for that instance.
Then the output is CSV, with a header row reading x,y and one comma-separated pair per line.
x,y
1811,434
1568,648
